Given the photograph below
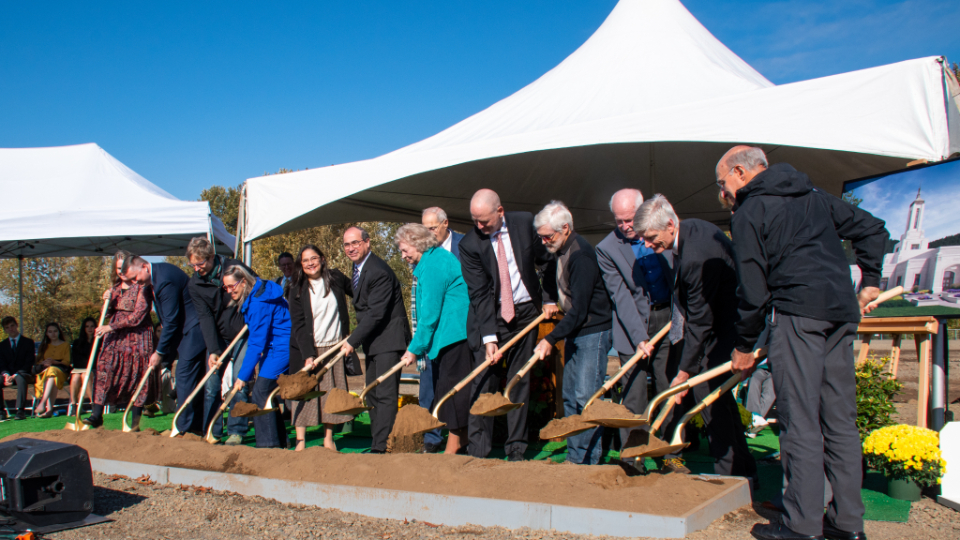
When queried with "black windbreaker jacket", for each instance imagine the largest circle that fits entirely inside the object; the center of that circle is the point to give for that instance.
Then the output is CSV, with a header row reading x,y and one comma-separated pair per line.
x,y
787,237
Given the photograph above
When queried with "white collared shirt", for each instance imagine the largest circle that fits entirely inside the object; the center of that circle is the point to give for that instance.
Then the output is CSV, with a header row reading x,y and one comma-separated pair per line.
x,y
448,243
360,266
520,292
676,242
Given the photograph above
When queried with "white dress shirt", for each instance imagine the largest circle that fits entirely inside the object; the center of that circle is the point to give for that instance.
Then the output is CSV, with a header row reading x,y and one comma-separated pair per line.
x,y
360,266
448,243
520,292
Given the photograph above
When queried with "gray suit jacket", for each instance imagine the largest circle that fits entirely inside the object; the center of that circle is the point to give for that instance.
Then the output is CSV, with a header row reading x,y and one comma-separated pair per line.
x,y
628,290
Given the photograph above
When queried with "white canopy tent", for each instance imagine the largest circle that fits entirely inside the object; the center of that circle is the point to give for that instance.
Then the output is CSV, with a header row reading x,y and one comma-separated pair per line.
x,y
651,100
80,201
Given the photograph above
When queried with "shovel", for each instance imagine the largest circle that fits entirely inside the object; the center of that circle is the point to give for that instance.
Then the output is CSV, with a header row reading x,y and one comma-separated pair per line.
x,y
484,365
143,381
314,393
630,363
173,427
886,295
226,403
507,407
657,448
76,425
366,389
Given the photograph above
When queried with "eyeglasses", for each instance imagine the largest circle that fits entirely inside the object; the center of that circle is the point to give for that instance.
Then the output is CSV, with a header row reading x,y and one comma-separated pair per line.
x,y
355,243
195,266
231,288
548,237
433,229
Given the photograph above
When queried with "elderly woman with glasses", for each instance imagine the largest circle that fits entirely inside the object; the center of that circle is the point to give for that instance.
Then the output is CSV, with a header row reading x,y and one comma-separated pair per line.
x,y
440,304
267,317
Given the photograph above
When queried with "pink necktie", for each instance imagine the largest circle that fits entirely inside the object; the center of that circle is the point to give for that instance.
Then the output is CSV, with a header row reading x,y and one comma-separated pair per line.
x,y
506,290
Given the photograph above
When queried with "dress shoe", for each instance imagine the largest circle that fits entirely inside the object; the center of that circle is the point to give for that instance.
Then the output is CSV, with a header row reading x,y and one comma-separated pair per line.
x,y
515,455
779,531
93,421
832,533
429,448
675,465
21,415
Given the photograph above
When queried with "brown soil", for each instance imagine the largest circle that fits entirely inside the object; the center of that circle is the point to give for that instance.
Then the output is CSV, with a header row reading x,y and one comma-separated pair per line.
x,y
407,444
559,427
243,410
489,402
413,419
339,401
151,431
191,437
599,410
640,442
296,385
596,486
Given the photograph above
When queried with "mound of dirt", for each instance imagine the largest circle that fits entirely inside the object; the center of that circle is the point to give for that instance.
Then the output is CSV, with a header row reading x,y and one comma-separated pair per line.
x,y
412,420
559,427
597,486
487,403
599,410
296,385
339,401
243,410
406,444
640,443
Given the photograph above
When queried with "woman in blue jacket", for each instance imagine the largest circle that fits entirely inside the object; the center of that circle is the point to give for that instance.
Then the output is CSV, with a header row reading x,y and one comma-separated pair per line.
x,y
267,317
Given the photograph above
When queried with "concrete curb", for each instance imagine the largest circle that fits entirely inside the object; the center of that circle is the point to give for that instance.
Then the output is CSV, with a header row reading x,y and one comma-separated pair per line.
x,y
445,509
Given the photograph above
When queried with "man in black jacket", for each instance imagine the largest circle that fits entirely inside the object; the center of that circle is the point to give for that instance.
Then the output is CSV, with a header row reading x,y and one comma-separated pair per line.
x,y
586,325
704,317
219,324
793,272
382,329
16,362
499,258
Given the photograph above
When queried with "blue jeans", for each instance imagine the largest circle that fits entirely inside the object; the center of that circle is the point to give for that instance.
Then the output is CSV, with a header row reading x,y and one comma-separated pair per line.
x,y
213,397
585,365
428,387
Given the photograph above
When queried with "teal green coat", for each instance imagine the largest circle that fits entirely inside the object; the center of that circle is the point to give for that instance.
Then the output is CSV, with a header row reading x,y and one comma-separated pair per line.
x,y
442,303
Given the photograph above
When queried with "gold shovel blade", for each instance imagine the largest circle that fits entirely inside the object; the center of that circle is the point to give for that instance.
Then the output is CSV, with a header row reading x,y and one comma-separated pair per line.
x,y
501,410
350,412
637,421
73,427
652,452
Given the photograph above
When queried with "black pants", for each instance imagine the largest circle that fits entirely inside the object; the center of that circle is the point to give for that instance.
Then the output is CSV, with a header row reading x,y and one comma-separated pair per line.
x,y
661,366
814,379
189,373
480,428
383,398
728,444
268,428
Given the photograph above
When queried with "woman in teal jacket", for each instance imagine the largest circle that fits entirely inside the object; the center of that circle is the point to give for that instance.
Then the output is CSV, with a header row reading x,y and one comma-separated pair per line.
x,y
441,303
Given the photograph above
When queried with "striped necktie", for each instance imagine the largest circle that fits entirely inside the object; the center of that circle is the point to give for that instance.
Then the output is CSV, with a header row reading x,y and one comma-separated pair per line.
x,y
356,277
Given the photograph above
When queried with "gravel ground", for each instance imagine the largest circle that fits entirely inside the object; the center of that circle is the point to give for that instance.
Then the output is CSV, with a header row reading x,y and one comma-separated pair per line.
x,y
150,511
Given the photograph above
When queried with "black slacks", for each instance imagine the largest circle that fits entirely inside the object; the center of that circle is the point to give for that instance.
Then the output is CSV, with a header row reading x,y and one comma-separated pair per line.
x,y
725,431
480,428
268,428
383,398
189,373
814,379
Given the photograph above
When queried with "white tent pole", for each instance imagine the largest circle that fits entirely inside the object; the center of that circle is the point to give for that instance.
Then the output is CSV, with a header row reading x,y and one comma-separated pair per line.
x,y
248,254
20,278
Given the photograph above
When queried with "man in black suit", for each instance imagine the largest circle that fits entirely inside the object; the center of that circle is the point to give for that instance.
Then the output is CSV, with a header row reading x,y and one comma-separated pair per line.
x,y
16,362
704,317
181,333
382,329
499,259
219,323
286,264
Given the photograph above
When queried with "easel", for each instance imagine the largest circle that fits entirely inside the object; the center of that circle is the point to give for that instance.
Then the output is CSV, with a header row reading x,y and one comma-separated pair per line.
x,y
922,329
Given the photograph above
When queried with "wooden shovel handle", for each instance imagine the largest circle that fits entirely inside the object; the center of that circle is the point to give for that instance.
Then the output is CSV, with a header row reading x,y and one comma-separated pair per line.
x,y
886,295
326,354
143,381
381,378
520,374
662,416
323,371
536,322
91,362
226,403
173,427
629,364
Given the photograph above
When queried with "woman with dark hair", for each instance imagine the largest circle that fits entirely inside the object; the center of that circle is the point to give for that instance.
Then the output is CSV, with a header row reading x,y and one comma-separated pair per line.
x,y
126,348
267,317
319,320
52,369
441,301
79,357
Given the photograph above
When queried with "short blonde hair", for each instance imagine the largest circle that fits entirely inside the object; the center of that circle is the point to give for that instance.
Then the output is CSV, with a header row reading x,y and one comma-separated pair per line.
x,y
417,236
200,247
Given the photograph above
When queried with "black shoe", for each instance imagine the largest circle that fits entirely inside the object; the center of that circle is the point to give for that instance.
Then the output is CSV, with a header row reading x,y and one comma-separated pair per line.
x,y
515,455
93,421
832,533
429,448
779,531
21,415
372,451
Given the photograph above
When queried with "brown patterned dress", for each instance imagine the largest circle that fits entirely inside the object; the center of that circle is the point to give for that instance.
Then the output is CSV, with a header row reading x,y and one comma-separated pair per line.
x,y
125,354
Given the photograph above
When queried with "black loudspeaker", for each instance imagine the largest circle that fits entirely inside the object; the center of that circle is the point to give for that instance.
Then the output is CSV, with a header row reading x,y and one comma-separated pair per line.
x,y
44,484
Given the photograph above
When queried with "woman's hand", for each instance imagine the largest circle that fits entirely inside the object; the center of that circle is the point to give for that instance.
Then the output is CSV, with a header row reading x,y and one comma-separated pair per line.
x,y
105,329
408,358
107,293
309,363
238,386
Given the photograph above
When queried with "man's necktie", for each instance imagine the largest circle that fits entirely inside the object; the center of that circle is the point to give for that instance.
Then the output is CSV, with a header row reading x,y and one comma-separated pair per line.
x,y
676,317
356,278
506,289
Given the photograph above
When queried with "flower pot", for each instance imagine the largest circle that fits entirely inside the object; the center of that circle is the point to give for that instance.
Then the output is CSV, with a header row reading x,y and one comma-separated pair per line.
x,y
905,490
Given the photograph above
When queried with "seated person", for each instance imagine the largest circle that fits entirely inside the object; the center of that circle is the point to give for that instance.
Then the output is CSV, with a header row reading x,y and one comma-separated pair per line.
x,y
16,362
51,369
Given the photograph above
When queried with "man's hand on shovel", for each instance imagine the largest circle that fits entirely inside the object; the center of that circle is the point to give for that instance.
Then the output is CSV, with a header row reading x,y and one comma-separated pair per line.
x,y
744,363
682,377
543,349
408,358
867,295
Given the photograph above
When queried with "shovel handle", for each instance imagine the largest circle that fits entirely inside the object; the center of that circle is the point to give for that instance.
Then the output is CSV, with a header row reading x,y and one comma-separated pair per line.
x,y
536,322
143,381
226,403
381,378
173,427
707,401
323,371
886,295
640,354
90,364
520,374
478,370
326,354
662,416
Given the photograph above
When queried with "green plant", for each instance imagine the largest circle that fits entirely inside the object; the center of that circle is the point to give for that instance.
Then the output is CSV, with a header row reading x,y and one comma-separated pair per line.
x,y
905,452
875,391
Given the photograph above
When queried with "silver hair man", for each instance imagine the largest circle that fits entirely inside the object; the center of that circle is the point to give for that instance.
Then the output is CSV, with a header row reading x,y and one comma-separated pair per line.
x,y
556,215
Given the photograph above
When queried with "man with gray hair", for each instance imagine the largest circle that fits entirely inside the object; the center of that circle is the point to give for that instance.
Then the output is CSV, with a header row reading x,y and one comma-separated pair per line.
x,y
435,219
795,280
704,315
585,326
640,284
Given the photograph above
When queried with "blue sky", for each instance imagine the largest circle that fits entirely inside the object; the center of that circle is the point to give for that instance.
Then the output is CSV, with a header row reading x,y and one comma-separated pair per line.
x,y
191,94
889,199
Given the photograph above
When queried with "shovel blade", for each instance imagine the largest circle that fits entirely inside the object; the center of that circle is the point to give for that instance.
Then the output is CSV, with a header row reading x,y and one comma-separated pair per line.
x,y
501,410
350,412
653,452
620,422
